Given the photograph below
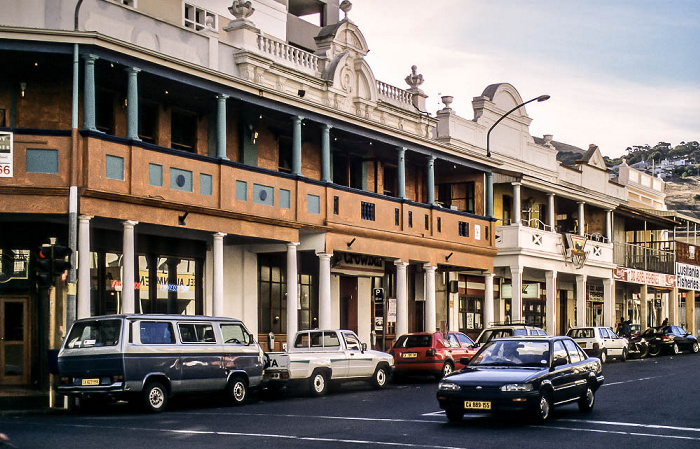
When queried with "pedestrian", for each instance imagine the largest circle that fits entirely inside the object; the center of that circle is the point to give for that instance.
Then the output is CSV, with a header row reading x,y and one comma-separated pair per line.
x,y
626,327
665,322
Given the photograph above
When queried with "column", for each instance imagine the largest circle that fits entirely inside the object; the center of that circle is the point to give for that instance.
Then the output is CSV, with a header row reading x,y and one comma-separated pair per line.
x,y
430,314
128,267
674,318
402,173
581,218
132,104
551,306
401,298
221,126
83,267
431,180
690,312
488,300
218,287
608,302
551,216
608,225
296,145
89,93
517,207
489,194
644,307
516,303
326,153
580,300
292,291
324,293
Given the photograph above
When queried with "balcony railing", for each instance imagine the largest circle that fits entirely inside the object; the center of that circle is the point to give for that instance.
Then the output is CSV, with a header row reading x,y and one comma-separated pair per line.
x,y
648,257
303,60
395,95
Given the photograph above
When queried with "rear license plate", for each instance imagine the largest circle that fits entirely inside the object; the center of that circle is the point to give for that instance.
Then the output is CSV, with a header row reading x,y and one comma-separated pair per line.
x,y
91,381
477,405
409,355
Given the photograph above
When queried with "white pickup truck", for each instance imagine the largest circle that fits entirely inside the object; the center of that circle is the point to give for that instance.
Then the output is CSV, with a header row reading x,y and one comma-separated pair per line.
x,y
316,357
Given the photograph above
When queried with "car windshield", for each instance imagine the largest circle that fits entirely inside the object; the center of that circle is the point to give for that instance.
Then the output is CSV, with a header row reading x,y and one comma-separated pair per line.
x,y
513,353
88,334
414,341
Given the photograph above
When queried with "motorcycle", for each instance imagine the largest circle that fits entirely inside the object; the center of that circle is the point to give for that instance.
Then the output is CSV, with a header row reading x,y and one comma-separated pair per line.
x,y
637,347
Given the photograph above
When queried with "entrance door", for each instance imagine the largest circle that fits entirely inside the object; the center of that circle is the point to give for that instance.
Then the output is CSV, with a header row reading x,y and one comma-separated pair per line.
x,y
14,341
348,303
562,313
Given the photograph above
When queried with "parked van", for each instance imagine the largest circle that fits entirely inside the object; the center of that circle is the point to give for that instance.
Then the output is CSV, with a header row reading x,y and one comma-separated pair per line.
x,y
149,358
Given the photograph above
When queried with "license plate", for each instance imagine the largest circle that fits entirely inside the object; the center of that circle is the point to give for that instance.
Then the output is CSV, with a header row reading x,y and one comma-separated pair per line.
x,y
91,381
409,355
477,405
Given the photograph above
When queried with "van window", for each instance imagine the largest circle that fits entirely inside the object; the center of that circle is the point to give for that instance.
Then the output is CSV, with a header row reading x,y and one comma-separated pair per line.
x,y
88,334
156,333
234,333
196,333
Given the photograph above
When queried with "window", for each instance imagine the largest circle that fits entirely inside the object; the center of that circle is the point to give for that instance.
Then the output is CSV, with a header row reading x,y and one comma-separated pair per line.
x,y
463,229
410,219
397,217
235,333
205,184
560,351
198,18
336,205
271,293
94,333
148,122
284,153
573,351
313,204
114,167
367,211
156,333
241,191
104,111
155,175
183,134
352,342
42,161
471,313
330,340
390,180
427,222
285,199
439,224
196,333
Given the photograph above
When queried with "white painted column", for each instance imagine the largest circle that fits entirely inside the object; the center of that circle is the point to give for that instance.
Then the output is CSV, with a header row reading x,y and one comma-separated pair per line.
x,y
128,267
324,293
551,215
83,267
644,306
581,218
292,291
580,300
690,312
516,303
674,307
488,300
608,225
401,298
551,306
608,302
430,313
517,207
218,287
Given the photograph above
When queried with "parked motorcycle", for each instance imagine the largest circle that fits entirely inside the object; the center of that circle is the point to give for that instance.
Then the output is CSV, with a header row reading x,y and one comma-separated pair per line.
x,y
637,347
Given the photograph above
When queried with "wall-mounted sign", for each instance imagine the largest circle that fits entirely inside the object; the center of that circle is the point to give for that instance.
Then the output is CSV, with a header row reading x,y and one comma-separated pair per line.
x,y
391,311
358,264
529,291
5,155
687,276
644,277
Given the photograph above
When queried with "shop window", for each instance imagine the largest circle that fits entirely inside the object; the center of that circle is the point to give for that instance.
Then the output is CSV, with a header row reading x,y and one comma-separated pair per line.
x,y
307,314
148,122
106,283
271,292
176,286
183,130
471,313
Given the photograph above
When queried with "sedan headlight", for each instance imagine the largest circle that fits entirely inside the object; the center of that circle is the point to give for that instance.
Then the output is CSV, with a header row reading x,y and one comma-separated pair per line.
x,y
448,386
517,387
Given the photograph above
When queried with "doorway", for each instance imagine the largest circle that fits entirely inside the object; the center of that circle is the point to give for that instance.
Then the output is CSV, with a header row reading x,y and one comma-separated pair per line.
x,y
562,313
14,340
348,303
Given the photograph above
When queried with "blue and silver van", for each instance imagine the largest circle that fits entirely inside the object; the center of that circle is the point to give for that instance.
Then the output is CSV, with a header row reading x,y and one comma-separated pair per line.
x,y
149,358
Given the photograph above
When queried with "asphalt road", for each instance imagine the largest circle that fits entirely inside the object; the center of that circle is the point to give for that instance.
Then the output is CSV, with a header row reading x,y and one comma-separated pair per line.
x,y
652,402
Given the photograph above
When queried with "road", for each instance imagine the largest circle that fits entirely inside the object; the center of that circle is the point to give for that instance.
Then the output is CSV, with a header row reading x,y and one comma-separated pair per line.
x,y
644,403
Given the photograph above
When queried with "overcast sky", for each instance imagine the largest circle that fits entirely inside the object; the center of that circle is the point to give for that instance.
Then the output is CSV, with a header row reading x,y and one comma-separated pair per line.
x,y
620,73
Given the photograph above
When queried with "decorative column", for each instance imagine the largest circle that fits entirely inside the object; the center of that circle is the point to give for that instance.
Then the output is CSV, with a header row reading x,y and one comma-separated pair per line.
x,y
551,216
580,300
132,103
324,294
431,180
221,126
608,225
608,302
218,287
517,207
581,218
402,173
128,267
292,291
430,313
644,307
489,194
89,109
674,318
326,153
296,145
83,267
401,298
488,300
551,306
690,312
516,302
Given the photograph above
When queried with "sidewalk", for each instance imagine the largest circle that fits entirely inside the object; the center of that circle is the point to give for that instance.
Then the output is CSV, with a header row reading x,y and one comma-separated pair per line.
x,y
22,400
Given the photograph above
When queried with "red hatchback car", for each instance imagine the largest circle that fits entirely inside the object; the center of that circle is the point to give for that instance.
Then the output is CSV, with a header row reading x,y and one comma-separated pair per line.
x,y
437,353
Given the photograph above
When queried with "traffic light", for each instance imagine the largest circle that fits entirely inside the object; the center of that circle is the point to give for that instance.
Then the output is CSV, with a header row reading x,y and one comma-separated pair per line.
x,y
52,262
61,259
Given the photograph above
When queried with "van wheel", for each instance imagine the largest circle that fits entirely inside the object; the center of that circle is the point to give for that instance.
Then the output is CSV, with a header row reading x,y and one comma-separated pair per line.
x,y
318,384
155,397
380,378
237,390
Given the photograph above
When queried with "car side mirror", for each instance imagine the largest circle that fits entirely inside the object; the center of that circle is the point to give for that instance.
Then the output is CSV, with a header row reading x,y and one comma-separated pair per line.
x,y
464,360
364,347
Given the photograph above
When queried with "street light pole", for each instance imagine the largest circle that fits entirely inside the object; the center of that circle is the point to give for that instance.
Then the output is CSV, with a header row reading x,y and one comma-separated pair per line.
x,y
488,134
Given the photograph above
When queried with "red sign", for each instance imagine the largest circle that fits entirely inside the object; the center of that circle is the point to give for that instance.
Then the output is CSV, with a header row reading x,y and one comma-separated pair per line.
x,y
644,277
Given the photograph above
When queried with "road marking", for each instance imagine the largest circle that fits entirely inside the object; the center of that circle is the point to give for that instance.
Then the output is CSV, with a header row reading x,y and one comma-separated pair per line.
x,y
609,384
619,432
629,424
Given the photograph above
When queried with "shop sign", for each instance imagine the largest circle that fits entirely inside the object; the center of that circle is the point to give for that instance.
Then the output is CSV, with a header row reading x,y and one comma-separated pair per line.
x,y
595,293
687,276
644,277
530,291
358,264
5,155
391,310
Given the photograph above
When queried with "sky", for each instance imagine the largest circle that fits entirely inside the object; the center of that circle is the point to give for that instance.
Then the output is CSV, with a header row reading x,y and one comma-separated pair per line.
x,y
619,72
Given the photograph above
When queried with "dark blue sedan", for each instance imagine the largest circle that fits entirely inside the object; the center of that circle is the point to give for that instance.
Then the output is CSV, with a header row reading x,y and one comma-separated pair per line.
x,y
531,374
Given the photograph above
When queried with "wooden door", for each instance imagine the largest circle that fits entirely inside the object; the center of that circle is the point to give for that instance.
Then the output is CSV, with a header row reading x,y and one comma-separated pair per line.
x,y
14,340
348,303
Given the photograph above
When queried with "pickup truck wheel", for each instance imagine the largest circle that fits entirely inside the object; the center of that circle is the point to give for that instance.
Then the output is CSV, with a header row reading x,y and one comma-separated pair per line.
x,y
380,377
237,390
318,383
155,397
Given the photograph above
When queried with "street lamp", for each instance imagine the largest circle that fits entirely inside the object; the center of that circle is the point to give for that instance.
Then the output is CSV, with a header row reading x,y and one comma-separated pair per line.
x,y
488,134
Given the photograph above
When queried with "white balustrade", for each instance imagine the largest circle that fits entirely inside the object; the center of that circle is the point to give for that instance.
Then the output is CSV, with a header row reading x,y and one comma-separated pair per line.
x,y
394,94
283,51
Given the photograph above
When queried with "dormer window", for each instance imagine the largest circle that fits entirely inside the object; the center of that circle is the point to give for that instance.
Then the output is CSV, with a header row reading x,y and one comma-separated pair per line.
x,y
199,18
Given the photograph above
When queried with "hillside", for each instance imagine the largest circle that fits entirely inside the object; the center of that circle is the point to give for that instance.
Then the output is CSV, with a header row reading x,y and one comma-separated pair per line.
x,y
683,194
